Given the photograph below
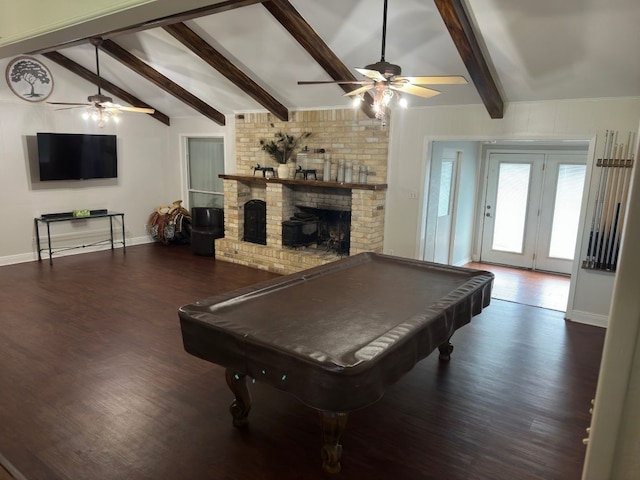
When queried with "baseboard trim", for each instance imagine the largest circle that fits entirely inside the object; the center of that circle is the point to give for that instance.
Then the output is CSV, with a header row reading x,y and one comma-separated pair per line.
x,y
587,318
33,256
462,263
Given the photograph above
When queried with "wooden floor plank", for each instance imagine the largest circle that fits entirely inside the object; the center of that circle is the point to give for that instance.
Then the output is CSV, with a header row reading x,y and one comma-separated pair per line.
x,y
535,288
94,383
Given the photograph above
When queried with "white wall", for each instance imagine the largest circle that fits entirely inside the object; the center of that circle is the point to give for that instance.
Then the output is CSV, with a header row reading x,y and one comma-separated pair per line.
x,y
150,159
612,452
413,129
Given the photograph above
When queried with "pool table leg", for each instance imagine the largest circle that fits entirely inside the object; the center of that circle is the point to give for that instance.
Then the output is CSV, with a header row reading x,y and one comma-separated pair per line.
x,y
241,405
445,350
333,424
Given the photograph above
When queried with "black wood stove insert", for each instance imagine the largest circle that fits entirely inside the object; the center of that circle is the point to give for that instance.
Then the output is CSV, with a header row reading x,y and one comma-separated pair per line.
x,y
330,230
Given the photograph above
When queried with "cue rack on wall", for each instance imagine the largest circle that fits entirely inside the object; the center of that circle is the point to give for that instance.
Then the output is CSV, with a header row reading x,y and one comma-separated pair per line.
x,y
611,200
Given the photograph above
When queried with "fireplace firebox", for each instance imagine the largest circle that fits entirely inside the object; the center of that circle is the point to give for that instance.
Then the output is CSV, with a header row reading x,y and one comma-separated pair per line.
x,y
330,230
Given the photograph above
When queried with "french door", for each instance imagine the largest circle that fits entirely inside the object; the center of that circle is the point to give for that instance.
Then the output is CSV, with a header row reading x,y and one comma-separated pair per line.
x,y
532,209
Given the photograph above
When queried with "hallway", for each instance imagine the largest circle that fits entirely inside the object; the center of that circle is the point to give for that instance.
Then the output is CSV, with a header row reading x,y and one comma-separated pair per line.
x,y
538,289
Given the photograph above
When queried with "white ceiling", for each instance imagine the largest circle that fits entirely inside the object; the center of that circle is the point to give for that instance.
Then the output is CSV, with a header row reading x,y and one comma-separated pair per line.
x,y
540,50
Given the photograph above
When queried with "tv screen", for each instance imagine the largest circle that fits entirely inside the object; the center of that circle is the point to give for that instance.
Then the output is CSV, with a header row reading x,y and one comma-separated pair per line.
x,y
72,156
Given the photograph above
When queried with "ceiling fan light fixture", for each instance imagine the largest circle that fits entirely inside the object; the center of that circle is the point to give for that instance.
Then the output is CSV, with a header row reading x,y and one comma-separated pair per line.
x,y
387,97
383,81
101,115
101,108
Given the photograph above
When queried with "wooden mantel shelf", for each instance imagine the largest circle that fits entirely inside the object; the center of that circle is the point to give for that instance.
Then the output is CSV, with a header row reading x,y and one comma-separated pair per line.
x,y
313,183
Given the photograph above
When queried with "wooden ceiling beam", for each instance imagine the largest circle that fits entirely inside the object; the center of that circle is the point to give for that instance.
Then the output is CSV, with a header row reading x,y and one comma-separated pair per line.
x,y
306,36
166,84
464,37
157,22
218,61
104,84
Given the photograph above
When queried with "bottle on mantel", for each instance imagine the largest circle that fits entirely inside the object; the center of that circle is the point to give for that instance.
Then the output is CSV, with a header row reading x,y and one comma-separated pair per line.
x,y
348,172
340,171
326,174
362,174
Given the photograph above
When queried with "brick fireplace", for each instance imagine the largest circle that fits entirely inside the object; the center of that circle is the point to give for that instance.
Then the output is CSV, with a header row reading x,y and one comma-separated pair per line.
x,y
345,134
367,222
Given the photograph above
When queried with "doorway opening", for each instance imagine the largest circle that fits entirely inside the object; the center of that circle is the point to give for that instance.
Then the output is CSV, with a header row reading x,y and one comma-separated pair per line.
x,y
548,177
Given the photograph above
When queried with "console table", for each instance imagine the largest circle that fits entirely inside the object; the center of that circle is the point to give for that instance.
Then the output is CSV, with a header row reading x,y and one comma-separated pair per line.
x,y
50,218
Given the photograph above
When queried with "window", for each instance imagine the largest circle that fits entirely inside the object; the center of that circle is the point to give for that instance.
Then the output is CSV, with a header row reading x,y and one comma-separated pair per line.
x,y
205,161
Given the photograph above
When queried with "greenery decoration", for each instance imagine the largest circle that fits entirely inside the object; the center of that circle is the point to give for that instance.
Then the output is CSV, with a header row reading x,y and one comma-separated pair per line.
x,y
282,146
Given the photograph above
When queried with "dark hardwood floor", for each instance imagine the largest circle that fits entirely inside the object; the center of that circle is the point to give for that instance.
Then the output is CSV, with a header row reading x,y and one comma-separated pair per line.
x,y
95,384
538,289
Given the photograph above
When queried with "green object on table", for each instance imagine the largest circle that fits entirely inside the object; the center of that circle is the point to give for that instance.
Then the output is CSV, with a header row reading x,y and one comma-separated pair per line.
x,y
81,213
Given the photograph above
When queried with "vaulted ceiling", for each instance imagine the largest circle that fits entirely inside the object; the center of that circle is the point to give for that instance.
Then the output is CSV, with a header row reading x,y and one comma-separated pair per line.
x,y
226,57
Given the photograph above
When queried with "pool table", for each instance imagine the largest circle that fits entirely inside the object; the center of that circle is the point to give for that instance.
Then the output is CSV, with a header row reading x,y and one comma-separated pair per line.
x,y
334,336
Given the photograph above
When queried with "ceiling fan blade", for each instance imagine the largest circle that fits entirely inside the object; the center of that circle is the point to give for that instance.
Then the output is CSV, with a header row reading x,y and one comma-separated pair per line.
x,y
150,111
360,90
71,108
415,90
70,103
341,82
435,80
117,107
374,75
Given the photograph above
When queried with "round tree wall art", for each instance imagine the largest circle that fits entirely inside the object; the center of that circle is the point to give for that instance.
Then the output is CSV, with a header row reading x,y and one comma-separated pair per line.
x,y
29,79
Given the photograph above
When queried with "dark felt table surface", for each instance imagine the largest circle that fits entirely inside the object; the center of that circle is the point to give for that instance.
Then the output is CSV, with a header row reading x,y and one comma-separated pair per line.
x,y
337,335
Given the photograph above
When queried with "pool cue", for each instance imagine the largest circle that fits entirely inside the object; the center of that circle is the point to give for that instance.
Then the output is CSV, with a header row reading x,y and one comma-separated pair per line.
x,y
614,208
606,219
602,220
592,234
597,213
627,169
618,203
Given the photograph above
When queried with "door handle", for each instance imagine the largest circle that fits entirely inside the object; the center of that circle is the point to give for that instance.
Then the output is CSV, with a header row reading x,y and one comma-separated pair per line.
x,y
487,214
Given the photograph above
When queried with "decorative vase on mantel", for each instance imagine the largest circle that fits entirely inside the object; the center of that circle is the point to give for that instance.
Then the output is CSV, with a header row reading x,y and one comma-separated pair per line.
x,y
283,170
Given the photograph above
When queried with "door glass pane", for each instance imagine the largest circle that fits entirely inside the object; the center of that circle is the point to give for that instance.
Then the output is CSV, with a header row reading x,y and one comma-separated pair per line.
x,y
198,199
206,162
511,207
566,212
446,177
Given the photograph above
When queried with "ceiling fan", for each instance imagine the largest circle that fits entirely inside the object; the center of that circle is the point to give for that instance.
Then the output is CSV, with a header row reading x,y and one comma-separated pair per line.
x,y
384,78
101,107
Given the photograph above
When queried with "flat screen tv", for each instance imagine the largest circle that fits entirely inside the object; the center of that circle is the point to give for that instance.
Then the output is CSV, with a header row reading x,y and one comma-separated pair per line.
x,y
73,156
